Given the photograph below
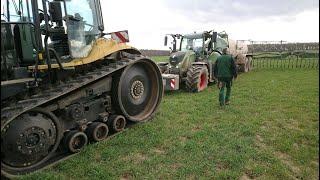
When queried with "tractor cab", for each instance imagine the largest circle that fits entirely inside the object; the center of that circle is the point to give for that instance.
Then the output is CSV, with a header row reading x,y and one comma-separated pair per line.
x,y
45,32
193,48
65,28
222,41
193,42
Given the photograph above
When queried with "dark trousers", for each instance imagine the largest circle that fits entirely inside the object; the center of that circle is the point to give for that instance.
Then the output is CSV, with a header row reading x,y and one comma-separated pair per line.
x,y
224,83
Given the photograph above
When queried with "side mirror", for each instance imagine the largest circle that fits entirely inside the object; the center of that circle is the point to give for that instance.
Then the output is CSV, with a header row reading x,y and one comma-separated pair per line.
x,y
55,11
214,37
165,40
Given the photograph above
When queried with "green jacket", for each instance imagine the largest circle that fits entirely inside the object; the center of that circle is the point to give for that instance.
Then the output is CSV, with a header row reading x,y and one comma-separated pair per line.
x,y
225,67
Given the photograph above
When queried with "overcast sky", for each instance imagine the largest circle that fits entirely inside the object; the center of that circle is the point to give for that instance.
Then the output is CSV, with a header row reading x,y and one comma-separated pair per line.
x,y
149,20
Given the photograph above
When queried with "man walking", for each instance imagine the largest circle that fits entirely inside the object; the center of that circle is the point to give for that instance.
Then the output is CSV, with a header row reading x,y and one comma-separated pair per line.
x,y
225,70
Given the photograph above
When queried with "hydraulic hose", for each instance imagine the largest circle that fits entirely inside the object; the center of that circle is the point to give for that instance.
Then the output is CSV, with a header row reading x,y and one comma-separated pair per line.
x,y
57,58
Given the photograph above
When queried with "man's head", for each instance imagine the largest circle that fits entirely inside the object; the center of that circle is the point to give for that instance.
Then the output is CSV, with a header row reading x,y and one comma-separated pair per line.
x,y
225,50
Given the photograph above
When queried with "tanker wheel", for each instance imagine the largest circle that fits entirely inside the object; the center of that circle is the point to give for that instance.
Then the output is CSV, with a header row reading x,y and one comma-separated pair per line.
x,y
29,141
138,90
246,67
197,78
241,68
249,63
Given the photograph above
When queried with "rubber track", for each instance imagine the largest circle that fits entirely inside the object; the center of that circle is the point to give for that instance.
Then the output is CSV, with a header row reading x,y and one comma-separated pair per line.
x,y
62,156
10,113
22,106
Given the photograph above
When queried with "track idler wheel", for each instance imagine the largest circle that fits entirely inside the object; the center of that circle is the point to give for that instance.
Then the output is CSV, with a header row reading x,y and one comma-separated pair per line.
x,y
28,141
116,123
97,131
138,90
75,140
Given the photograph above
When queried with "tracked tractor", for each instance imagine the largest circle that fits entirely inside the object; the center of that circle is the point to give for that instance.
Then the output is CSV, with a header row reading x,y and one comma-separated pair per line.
x,y
66,83
191,64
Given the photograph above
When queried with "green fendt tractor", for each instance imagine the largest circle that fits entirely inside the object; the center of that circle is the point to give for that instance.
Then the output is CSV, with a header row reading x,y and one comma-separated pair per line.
x,y
191,65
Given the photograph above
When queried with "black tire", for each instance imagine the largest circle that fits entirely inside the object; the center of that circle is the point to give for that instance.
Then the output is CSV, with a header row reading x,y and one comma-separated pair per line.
x,y
197,78
241,68
249,63
75,141
246,67
97,131
138,90
116,123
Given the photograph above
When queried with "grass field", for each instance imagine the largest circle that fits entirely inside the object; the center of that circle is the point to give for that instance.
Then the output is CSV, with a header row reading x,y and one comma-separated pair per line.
x,y
270,131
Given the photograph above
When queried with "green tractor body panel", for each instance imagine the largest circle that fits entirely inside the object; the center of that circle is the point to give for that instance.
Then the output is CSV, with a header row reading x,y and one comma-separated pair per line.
x,y
25,36
188,59
221,42
213,57
179,62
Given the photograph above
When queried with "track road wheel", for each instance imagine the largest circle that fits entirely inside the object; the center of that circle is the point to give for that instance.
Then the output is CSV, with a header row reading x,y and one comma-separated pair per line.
x,y
29,141
197,78
138,90
97,131
116,123
75,140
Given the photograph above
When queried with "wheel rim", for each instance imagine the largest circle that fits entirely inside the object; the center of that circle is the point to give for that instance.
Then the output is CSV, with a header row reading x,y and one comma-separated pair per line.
x,y
78,142
97,131
140,90
29,141
119,123
250,64
101,132
203,81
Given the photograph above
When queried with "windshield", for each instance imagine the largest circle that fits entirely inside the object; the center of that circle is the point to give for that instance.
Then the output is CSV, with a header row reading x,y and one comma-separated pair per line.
x,y
82,26
221,43
194,44
19,11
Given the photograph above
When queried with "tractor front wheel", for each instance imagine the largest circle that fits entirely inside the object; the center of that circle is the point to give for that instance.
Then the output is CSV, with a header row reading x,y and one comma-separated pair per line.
x,y
197,78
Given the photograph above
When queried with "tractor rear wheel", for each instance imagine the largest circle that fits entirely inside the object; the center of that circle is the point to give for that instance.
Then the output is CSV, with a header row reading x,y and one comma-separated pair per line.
x,y
197,78
138,90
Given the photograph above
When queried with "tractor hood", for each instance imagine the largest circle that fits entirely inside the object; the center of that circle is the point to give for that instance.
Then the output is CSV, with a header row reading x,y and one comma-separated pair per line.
x,y
176,58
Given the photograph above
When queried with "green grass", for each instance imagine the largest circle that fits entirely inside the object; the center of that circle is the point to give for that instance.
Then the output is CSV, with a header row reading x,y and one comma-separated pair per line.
x,y
160,58
270,131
